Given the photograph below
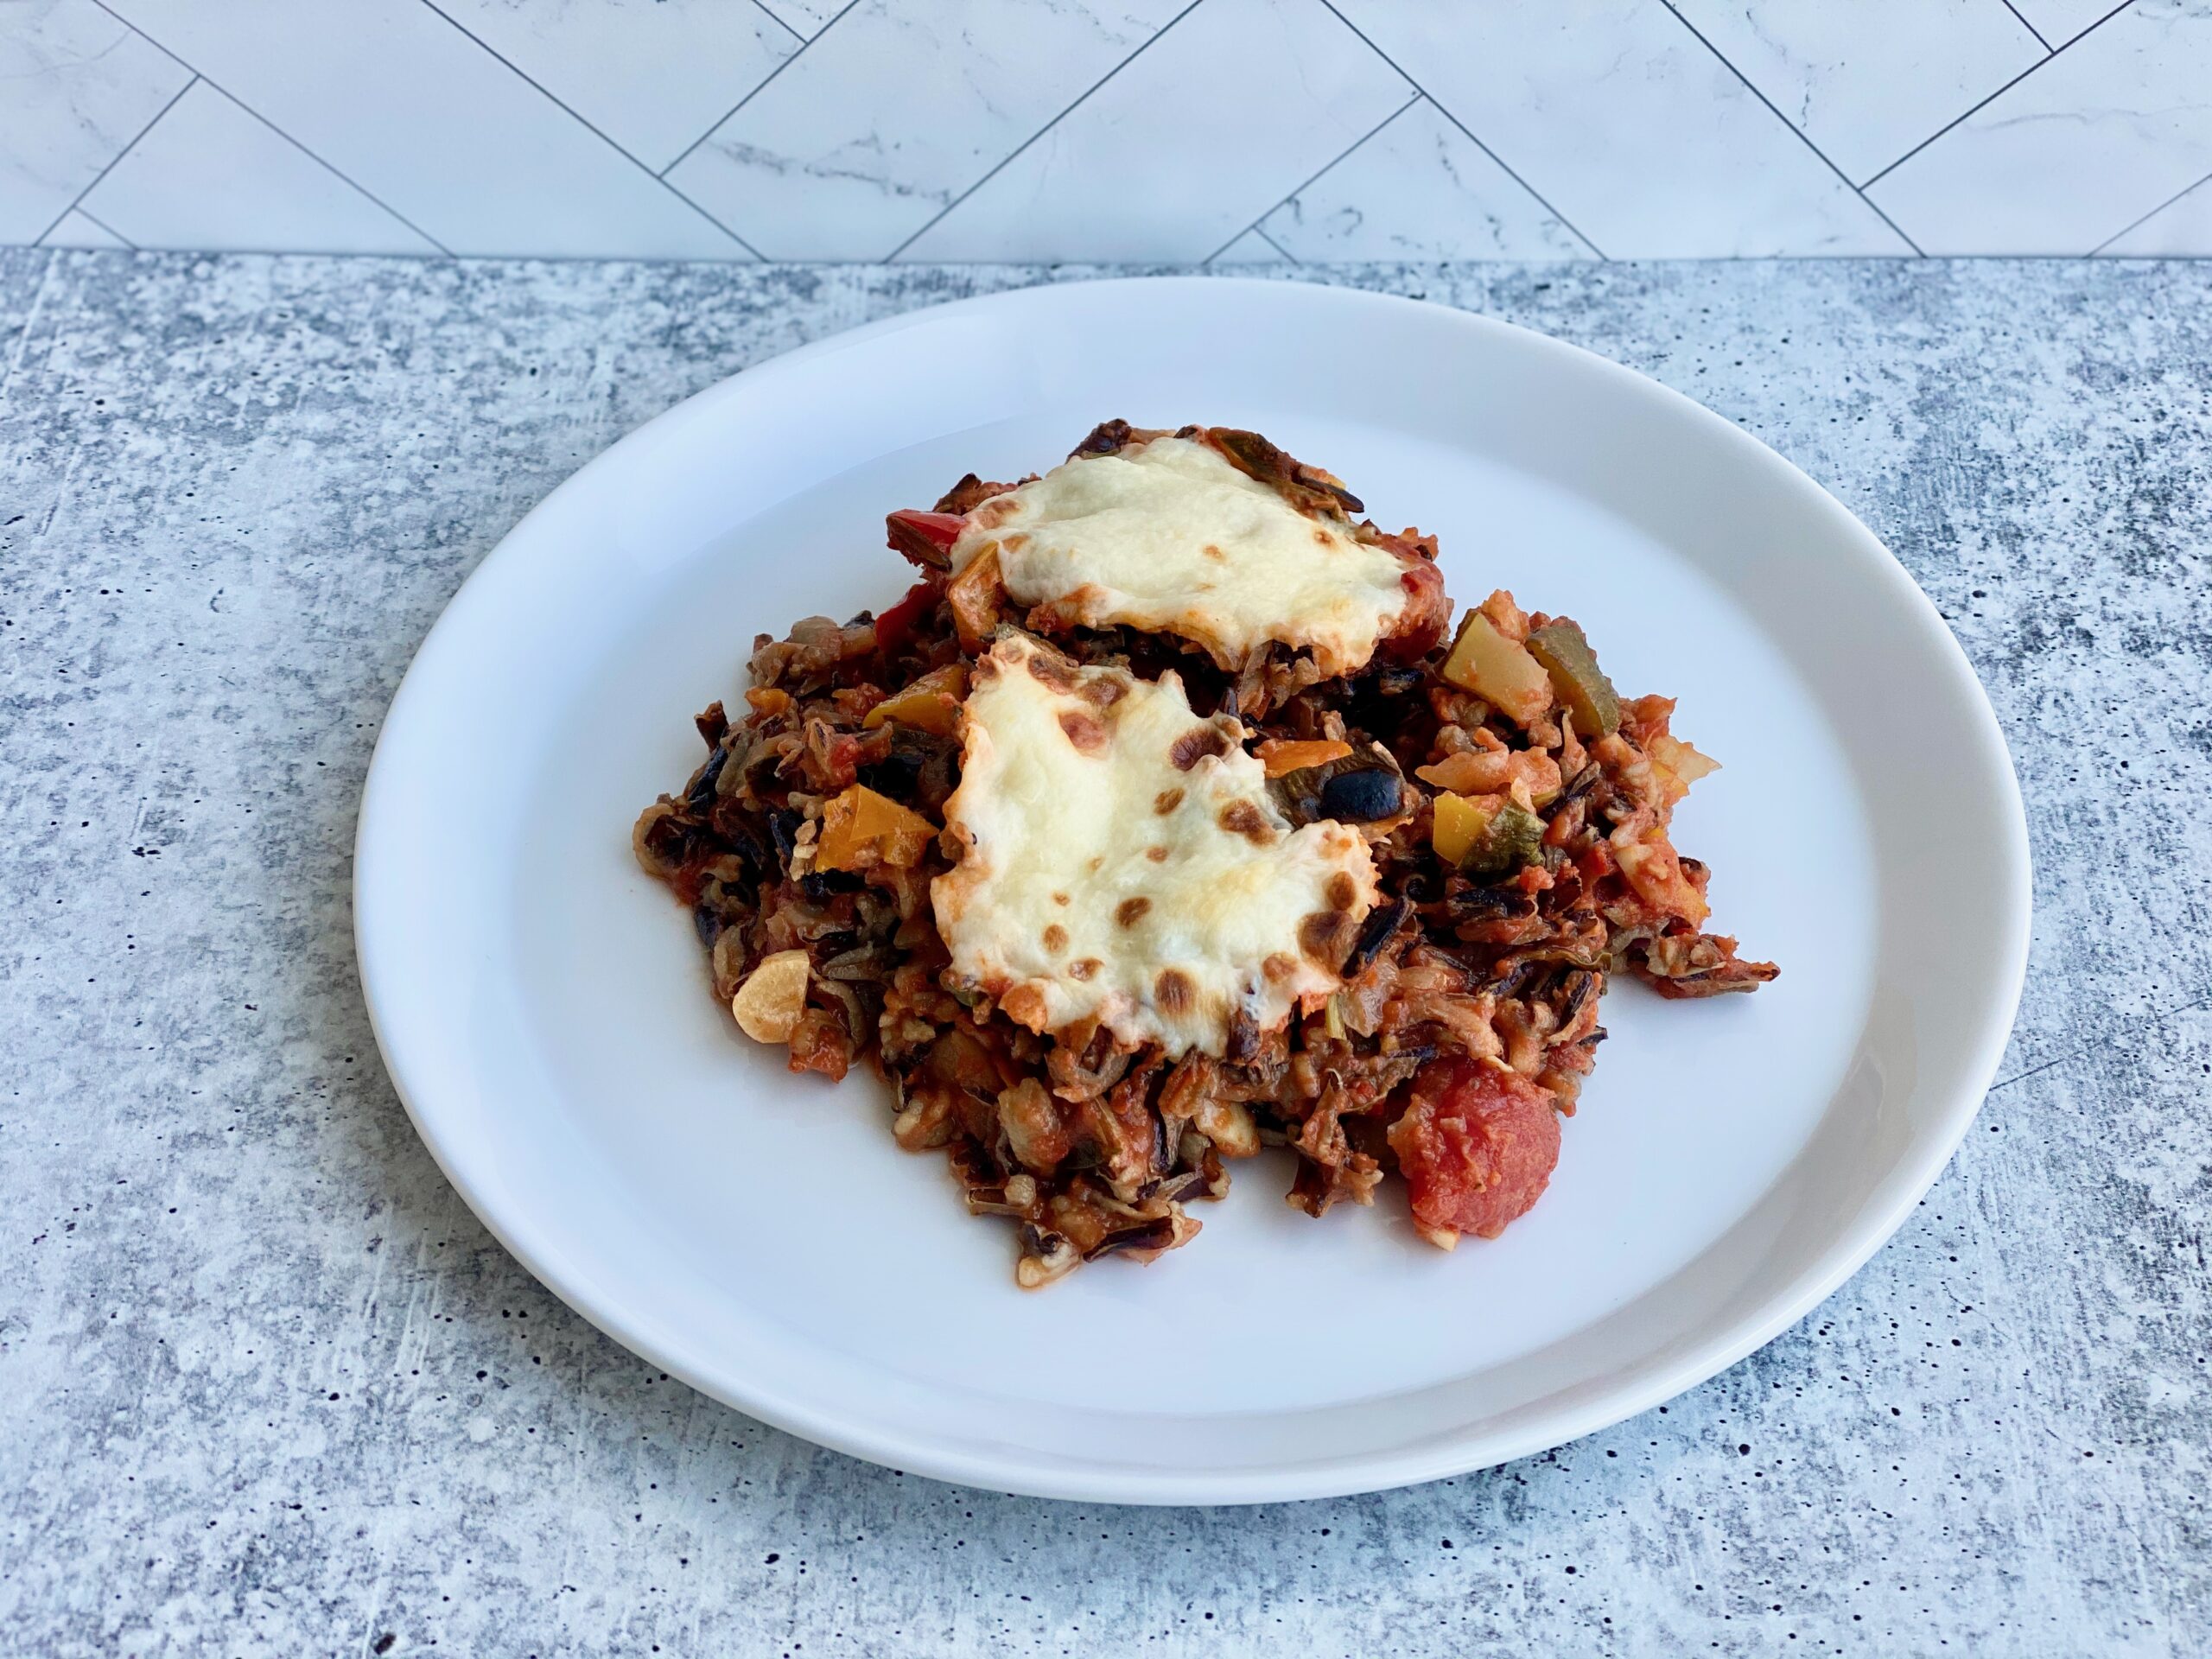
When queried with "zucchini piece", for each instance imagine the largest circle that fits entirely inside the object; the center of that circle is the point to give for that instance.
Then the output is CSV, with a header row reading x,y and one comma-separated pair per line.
x,y
1581,684
1514,836
1498,671
1488,835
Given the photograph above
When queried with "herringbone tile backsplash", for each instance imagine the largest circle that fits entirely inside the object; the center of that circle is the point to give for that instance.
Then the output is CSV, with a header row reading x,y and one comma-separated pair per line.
x,y
1243,131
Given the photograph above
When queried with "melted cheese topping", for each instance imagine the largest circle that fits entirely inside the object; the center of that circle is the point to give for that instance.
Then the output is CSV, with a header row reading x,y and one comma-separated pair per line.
x,y
1122,860
1170,538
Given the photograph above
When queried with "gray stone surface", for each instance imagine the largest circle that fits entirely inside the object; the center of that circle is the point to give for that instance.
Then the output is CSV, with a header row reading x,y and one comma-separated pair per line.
x,y
266,1387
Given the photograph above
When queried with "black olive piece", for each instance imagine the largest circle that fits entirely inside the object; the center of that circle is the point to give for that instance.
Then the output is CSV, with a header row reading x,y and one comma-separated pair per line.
x,y
708,924
701,795
1361,797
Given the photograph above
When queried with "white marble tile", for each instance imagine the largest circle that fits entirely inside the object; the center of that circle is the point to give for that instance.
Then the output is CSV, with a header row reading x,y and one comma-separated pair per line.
x,y
76,86
2060,21
651,75
426,120
1251,248
1419,189
210,175
1640,138
898,108
2182,226
1867,80
74,230
804,18
2099,136
1264,95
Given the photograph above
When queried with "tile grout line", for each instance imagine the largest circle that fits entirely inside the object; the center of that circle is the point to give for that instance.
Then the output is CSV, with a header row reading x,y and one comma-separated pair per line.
x,y
2030,27
75,200
281,133
1295,191
2154,213
760,6
595,132
104,226
716,126
1441,109
1007,160
1803,136
257,116
1277,246
2038,64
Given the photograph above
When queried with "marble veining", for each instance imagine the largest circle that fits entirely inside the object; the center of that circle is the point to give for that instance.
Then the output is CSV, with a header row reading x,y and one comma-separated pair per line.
x,y
76,86
1070,129
875,132
1420,188
272,1390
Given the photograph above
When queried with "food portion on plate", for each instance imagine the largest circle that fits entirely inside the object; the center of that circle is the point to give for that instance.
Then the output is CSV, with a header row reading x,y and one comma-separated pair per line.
x,y
1166,817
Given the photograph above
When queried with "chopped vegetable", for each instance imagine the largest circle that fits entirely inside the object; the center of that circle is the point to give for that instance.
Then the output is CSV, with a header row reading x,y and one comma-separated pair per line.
x,y
1458,823
1511,839
861,829
1581,684
925,537
1681,759
1491,772
931,703
1366,796
768,1005
1485,835
1483,661
1655,870
1476,1146
1283,755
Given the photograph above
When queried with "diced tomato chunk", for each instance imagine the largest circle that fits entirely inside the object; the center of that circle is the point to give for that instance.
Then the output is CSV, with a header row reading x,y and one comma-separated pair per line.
x,y
1476,1146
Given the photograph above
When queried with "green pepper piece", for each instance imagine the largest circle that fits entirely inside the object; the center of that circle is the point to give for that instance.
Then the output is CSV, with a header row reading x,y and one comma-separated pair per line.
x,y
1513,837
1581,684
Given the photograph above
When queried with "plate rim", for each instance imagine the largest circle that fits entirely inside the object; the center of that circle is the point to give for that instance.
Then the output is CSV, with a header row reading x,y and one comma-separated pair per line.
x,y
1461,1451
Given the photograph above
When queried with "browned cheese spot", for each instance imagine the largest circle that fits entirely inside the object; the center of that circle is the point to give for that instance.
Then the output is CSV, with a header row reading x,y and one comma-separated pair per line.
x,y
1174,991
1195,745
1325,935
1213,552
1049,669
1321,535
1157,854
1278,968
1060,898
1130,911
1243,818
1056,939
1166,801
1342,891
1084,730
1104,690
1084,969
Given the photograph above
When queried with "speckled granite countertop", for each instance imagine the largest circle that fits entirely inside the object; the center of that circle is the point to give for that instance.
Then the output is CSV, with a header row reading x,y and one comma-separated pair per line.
x,y
268,1388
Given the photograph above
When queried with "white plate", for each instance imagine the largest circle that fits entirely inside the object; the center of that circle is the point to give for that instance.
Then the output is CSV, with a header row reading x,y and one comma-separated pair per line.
x,y
543,1011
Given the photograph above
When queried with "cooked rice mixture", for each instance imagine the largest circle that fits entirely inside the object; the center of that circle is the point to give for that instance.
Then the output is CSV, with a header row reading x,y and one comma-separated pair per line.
x,y
1166,817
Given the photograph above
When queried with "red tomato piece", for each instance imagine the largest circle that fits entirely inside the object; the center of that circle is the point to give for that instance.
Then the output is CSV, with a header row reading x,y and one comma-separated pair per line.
x,y
1476,1146
925,537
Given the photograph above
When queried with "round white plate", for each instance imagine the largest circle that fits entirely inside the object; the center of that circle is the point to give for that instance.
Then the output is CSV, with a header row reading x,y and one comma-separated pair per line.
x,y
543,1008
